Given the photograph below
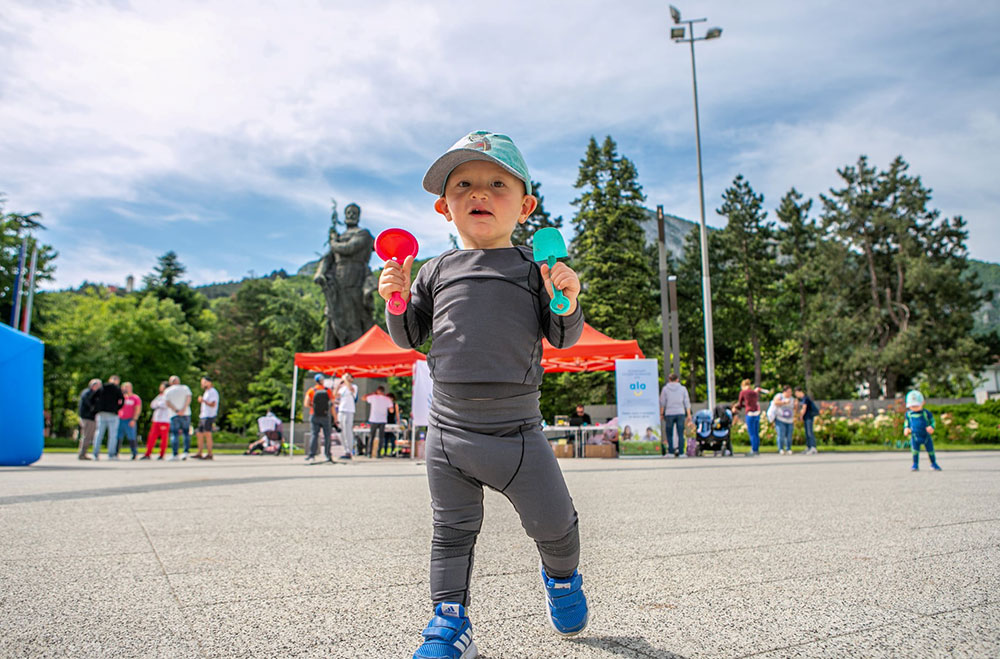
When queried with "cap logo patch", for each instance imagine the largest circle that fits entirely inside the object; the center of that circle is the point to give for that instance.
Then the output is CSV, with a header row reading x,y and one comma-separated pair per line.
x,y
479,143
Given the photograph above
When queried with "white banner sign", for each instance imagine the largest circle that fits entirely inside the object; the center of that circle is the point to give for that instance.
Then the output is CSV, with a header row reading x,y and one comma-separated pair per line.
x,y
422,391
638,398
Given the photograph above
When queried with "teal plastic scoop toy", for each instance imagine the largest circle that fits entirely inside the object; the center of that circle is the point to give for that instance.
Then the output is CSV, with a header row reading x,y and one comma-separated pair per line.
x,y
548,245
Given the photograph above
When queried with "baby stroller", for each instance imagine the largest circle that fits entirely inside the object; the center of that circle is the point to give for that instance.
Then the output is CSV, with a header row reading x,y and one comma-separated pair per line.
x,y
712,430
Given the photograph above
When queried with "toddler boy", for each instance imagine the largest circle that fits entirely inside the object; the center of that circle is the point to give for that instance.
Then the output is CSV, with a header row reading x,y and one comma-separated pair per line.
x,y
487,308
919,426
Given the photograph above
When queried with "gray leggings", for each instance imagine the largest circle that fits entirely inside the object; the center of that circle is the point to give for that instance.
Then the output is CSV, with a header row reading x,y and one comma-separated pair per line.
x,y
499,444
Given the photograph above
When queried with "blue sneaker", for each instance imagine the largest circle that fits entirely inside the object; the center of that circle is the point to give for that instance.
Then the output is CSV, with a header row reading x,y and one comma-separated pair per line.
x,y
566,604
448,635
935,466
914,468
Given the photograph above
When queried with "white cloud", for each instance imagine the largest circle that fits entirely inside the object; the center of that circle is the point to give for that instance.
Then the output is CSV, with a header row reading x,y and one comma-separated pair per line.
x,y
137,106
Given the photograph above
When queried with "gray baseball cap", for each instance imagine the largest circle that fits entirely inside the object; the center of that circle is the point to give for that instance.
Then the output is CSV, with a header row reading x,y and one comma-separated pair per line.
x,y
477,145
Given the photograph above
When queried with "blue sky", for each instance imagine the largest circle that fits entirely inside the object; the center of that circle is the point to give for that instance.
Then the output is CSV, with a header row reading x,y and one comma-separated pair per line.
x,y
221,129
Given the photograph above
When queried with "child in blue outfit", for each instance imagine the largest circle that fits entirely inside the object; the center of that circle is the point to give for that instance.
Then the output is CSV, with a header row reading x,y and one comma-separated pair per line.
x,y
919,426
487,308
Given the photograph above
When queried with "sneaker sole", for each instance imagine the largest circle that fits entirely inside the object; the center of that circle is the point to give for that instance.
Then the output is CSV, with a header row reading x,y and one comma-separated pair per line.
x,y
470,652
552,623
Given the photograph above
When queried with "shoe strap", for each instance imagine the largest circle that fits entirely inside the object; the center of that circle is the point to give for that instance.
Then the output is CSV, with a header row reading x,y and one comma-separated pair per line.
x,y
442,628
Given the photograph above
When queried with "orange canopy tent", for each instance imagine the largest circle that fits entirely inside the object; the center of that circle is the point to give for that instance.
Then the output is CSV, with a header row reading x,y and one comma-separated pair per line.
x,y
593,352
374,355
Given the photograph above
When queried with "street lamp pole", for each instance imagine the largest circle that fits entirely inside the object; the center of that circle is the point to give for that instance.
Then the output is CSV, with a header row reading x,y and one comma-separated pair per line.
x,y
678,35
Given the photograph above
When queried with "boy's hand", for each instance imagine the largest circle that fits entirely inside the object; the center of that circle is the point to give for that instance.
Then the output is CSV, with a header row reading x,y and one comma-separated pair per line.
x,y
906,432
563,278
395,278
930,430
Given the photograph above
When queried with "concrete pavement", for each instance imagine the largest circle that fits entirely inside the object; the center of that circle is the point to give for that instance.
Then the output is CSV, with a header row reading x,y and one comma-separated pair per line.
x,y
808,556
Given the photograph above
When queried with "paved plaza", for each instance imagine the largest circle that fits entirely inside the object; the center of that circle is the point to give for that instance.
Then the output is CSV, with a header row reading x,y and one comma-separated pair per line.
x,y
832,555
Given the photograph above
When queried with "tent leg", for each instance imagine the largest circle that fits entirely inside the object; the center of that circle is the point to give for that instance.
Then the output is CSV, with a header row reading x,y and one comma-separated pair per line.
x,y
413,440
295,393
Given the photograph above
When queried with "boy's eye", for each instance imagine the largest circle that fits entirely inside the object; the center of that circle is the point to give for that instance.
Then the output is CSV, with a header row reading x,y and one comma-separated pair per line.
x,y
462,184
498,184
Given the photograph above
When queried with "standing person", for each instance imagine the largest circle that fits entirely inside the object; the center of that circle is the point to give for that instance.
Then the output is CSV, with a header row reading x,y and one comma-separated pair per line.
x,y
918,425
749,400
319,400
784,418
159,429
346,396
378,416
488,308
208,412
128,418
87,411
109,401
392,418
675,408
809,414
178,398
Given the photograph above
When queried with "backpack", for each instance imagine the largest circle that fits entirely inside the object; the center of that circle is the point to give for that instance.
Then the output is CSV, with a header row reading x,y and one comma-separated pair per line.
x,y
321,402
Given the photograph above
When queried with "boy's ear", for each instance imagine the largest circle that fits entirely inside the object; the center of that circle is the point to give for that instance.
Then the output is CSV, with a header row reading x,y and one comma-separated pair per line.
x,y
528,206
441,206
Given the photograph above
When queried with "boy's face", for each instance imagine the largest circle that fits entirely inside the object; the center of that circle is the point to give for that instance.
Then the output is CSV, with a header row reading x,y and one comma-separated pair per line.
x,y
915,407
485,202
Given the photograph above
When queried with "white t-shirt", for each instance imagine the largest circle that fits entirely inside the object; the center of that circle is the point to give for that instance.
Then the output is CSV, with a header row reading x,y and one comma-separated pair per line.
x,y
378,407
176,394
211,395
268,422
161,413
345,401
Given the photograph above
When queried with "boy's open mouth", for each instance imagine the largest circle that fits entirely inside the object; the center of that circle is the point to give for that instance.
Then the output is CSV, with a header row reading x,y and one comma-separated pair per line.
x,y
479,211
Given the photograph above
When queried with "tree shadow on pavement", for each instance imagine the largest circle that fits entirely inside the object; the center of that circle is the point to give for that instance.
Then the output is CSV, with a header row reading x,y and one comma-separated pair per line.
x,y
627,646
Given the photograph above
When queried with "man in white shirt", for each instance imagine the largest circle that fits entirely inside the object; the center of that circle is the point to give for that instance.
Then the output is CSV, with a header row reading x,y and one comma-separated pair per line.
x,y
178,398
378,413
207,414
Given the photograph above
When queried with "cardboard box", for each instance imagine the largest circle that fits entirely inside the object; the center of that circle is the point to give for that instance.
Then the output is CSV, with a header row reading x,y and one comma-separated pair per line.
x,y
562,450
599,451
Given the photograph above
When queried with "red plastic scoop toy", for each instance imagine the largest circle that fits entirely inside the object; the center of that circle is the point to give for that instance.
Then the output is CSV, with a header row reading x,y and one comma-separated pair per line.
x,y
395,245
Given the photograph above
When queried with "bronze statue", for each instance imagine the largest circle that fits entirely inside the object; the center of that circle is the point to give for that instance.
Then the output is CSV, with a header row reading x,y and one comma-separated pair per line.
x,y
343,275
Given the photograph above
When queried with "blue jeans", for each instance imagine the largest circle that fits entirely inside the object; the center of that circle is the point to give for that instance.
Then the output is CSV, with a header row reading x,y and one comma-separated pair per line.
x,y
127,430
180,424
810,435
106,421
784,434
753,429
675,421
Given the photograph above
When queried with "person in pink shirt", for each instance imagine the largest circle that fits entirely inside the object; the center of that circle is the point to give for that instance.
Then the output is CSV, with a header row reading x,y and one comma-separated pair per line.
x,y
128,417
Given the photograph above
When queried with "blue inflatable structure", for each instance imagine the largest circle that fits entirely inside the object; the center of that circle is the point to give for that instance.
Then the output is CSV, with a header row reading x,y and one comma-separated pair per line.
x,y
21,439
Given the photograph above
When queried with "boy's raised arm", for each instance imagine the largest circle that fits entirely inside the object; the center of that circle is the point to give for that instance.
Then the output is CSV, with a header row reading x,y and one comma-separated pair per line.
x,y
411,328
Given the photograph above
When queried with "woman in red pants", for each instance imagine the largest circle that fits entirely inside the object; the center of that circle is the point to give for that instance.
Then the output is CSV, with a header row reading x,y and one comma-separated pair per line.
x,y
160,427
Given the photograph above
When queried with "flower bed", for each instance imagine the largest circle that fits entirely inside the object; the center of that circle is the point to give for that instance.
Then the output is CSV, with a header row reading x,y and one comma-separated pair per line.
x,y
852,424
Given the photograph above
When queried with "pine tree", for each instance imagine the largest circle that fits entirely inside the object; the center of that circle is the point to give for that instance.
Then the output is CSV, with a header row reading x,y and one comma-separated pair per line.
x,y
609,251
751,272
908,286
165,283
799,243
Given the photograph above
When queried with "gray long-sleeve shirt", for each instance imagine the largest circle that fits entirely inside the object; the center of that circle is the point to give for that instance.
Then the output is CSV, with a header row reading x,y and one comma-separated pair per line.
x,y
487,311
674,399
